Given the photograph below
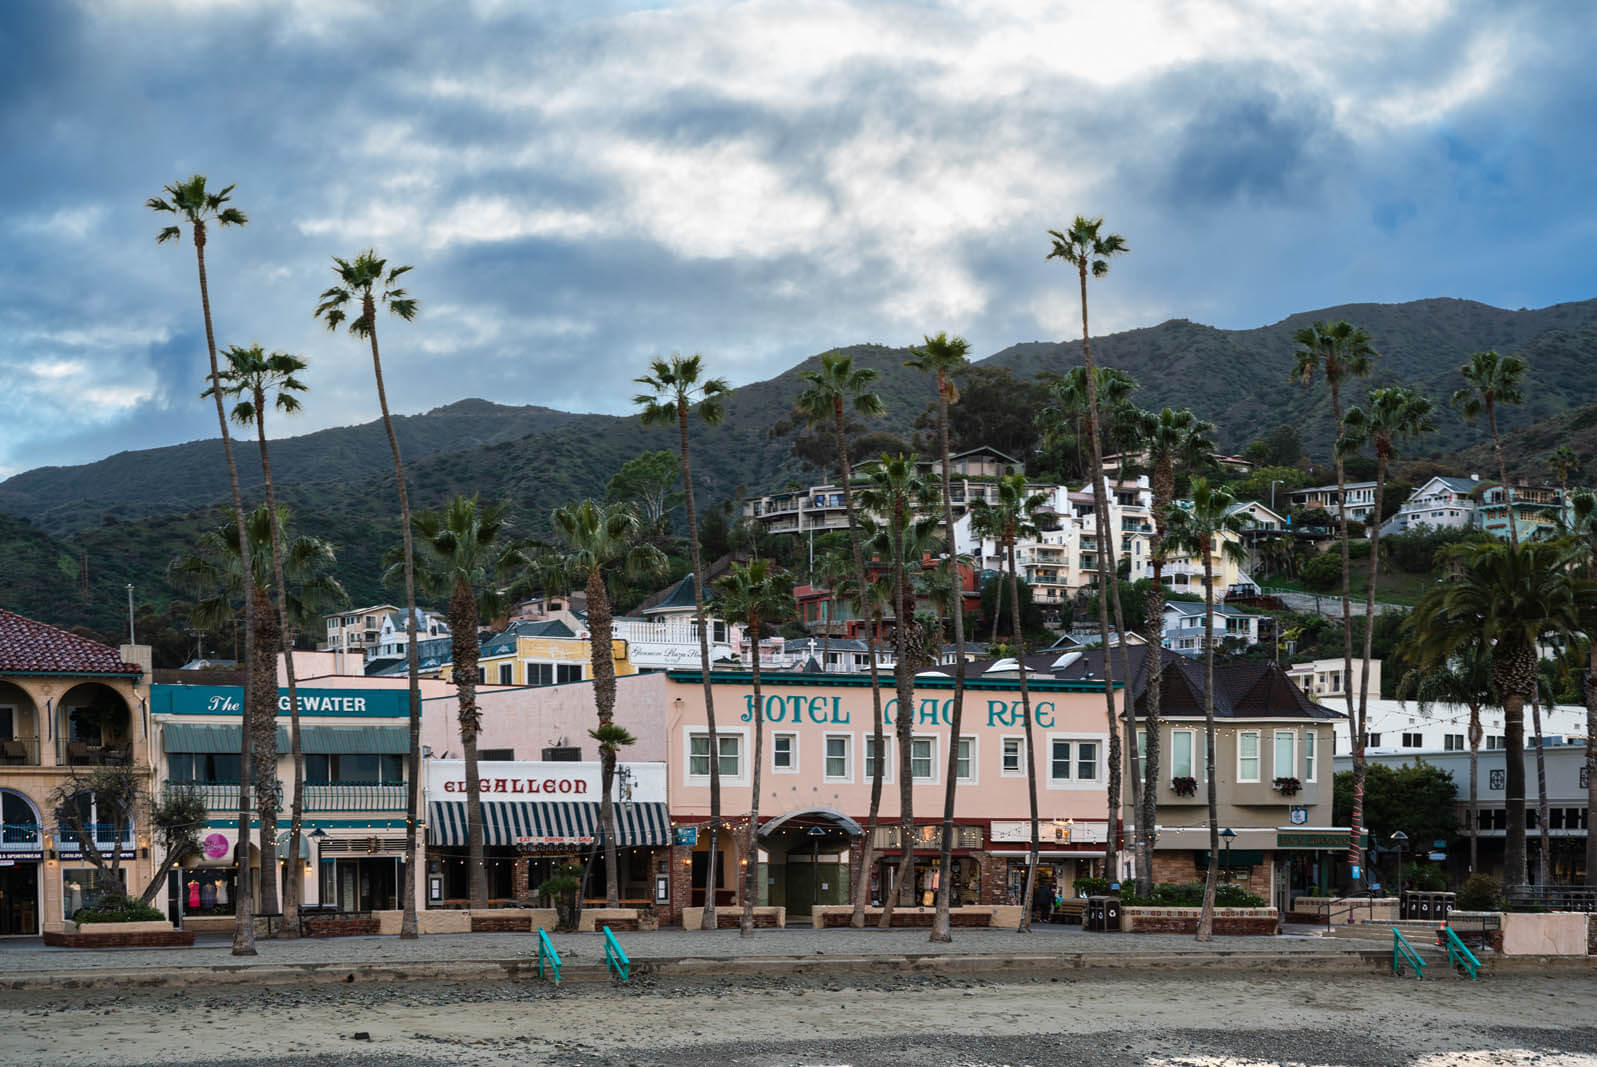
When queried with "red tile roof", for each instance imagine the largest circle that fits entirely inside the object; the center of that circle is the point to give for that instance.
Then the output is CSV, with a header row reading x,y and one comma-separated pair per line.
x,y
26,645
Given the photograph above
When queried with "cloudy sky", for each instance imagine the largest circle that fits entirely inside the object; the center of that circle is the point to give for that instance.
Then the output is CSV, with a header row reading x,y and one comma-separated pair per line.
x,y
583,186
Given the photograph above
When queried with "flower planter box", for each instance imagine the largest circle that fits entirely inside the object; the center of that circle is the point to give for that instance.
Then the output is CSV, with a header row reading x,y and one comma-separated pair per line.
x,y
731,918
118,935
1227,921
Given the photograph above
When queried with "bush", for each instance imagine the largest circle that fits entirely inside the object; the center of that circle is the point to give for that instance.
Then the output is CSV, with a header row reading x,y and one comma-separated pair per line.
x,y
1323,572
1424,877
1190,895
1092,887
118,911
1480,893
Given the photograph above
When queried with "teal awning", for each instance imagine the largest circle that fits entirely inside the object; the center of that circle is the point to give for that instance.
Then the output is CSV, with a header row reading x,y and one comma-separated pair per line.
x,y
336,740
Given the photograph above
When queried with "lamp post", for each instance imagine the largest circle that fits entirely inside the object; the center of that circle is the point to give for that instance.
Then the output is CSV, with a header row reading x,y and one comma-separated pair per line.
x,y
1399,841
1226,836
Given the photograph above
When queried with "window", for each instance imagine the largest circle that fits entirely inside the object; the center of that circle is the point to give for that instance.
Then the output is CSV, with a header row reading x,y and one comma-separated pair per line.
x,y
553,673
496,755
1309,771
731,755
1496,741
1372,740
837,757
1142,755
1014,755
870,758
507,673
1285,758
1453,742
1248,756
203,768
354,769
784,752
1181,754
965,768
1413,740
923,759
1073,760
482,675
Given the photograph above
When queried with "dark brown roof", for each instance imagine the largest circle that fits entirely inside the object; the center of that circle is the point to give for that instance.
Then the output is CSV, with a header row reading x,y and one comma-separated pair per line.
x,y
32,647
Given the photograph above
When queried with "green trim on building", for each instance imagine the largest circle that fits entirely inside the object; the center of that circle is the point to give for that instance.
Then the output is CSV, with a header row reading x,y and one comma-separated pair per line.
x,y
863,681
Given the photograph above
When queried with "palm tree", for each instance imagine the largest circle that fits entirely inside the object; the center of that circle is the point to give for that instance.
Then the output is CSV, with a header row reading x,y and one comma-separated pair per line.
x,y
1088,249
1491,380
941,357
757,592
190,202
363,281
676,392
1339,350
1201,529
1563,462
1463,678
1169,438
1394,414
904,498
832,391
251,374
1584,533
1510,599
596,539
1007,520
466,560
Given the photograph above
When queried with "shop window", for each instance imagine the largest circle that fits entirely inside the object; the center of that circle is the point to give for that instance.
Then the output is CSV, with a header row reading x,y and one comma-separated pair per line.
x,y
80,888
1248,756
730,757
923,759
784,752
837,769
1014,755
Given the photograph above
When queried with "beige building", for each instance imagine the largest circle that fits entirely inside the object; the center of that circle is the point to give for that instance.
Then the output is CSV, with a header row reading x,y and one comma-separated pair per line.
x,y
68,705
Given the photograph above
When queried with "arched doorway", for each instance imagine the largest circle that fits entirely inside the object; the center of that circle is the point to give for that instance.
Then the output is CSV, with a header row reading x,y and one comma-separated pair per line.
x,y
93,727
19,727
21,855
807,859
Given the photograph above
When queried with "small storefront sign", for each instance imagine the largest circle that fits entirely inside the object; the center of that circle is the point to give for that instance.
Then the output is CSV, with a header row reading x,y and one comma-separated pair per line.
x,y
687,836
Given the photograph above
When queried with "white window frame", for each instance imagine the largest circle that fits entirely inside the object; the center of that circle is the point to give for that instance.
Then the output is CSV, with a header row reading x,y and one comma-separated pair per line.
x,y
739,732
935,778
1275,753
889,748
1192,754
1258,756
1074,782
848,757
1311,753
973,762
1140,761
793,752
1003,752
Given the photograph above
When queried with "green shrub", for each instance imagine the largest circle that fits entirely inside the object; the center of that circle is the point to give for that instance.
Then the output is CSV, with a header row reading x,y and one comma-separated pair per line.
x,y
1323,572
115,910
1480,893
1227,895
1092,887
1190,895
1424,877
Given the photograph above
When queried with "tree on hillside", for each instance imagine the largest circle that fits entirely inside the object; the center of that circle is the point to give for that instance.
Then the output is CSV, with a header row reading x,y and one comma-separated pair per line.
x,y
1281,447
1088,249
1562,463
648,483
1491,380
996,409
191,203
1339,351
363,282
250,376
677,394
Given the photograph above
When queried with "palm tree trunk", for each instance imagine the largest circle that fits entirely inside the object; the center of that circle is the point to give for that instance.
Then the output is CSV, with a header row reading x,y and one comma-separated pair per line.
x,y
263,721
1475,732
1206,916
940,922
1541,788
1514,793
751,845
696,557
244,891
904,724
1359,768
1502,474
1356,721
465,653
1147,833
408,928
1591,760
600,632
1031,751
294,879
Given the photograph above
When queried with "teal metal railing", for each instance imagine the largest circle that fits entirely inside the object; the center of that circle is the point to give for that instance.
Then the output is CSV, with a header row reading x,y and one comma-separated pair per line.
x,y
346,796
547,953
614,958
1403,952
1458,953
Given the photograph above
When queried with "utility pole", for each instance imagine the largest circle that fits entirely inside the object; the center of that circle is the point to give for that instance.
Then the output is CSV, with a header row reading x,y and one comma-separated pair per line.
x,y
132,640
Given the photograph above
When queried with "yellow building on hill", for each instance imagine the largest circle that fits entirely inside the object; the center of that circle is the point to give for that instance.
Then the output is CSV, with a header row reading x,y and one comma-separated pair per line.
x,y
543,652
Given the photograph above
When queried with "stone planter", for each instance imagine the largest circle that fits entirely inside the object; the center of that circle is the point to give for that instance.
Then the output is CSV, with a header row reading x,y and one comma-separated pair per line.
x,y
1004,916
118,935
594,919
1313,909
1233,921
731,918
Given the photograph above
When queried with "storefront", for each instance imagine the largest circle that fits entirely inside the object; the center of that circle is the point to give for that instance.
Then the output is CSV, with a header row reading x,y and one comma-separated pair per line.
x,y
539,818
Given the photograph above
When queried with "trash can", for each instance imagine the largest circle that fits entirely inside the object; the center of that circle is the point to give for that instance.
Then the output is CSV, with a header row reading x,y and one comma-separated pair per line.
x,y
1092,918
1405,906
1444,906
1111,915
1422,906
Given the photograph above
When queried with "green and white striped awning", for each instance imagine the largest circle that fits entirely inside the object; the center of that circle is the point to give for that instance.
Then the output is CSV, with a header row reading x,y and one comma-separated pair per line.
x,y
547,822
331,740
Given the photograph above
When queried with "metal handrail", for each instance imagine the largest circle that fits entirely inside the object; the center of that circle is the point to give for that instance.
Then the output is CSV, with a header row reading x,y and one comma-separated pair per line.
x,y
1403,952
546,951
614,957
1368,903
1458,953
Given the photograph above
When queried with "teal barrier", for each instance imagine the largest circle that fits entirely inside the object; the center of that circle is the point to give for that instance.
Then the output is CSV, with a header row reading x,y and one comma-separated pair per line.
x,y
1403,952
1458,953
614,957
546,951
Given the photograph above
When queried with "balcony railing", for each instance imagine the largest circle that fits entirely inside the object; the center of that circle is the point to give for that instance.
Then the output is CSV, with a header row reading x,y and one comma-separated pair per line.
x,y
20,752
104,834
23,835
83,754
344,796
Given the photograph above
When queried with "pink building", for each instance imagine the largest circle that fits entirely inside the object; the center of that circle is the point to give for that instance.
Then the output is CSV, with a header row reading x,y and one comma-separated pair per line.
x,y
815,785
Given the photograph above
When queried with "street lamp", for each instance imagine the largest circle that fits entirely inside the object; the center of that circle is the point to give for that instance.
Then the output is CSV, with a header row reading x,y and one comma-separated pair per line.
x,y
1227,835
1399,841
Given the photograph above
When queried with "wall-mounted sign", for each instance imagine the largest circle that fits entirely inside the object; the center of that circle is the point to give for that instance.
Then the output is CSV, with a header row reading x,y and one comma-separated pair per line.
x,y
685,835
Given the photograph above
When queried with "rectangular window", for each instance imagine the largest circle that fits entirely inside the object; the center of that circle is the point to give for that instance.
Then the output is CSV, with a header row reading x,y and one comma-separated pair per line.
x,y
1453,742
1372,740
1014,755
1496,741
1248,756
731,761
870,758
567,672
1309,771
1059,761
482,675
1286,763
923,759
1086,761
1142,755
837,757
1071,760
539,674
965,769
1413,740
784,753
1181,765
507,674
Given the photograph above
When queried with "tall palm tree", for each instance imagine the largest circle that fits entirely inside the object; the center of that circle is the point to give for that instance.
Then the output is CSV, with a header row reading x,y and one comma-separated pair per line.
x,y
367,282
1584,537
466,559
1393,414
941,357
1202,529
1007,520
252,374
1169,438
190,202
1087,248
1491,380
676,393
905,499
1463,678
1563,462
1340,351
831,393
1512,599
758,593
595,540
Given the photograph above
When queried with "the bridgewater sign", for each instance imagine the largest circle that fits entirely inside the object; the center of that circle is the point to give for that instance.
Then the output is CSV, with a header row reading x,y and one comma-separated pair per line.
x,y
799,710
229,700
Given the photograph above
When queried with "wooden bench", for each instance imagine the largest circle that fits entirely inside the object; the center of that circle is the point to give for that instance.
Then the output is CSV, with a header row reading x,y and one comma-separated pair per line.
x,y
1070,910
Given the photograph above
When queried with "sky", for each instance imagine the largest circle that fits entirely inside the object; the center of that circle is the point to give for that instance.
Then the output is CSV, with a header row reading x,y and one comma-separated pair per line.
x,y
582,187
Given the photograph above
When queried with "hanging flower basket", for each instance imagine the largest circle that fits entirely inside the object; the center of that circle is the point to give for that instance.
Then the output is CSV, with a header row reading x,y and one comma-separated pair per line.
x,y
1184,787
1288,787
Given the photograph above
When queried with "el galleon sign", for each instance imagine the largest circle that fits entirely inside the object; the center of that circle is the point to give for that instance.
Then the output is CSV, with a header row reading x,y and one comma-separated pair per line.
x,y
553,780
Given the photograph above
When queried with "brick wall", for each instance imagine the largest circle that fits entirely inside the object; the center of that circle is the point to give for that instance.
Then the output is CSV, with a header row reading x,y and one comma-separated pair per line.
x,y
145,939
506,923
341,927
1228,921
1182,867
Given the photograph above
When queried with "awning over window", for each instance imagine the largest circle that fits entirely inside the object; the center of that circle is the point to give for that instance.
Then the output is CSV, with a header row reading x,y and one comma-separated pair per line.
x,y
548,822
335,740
